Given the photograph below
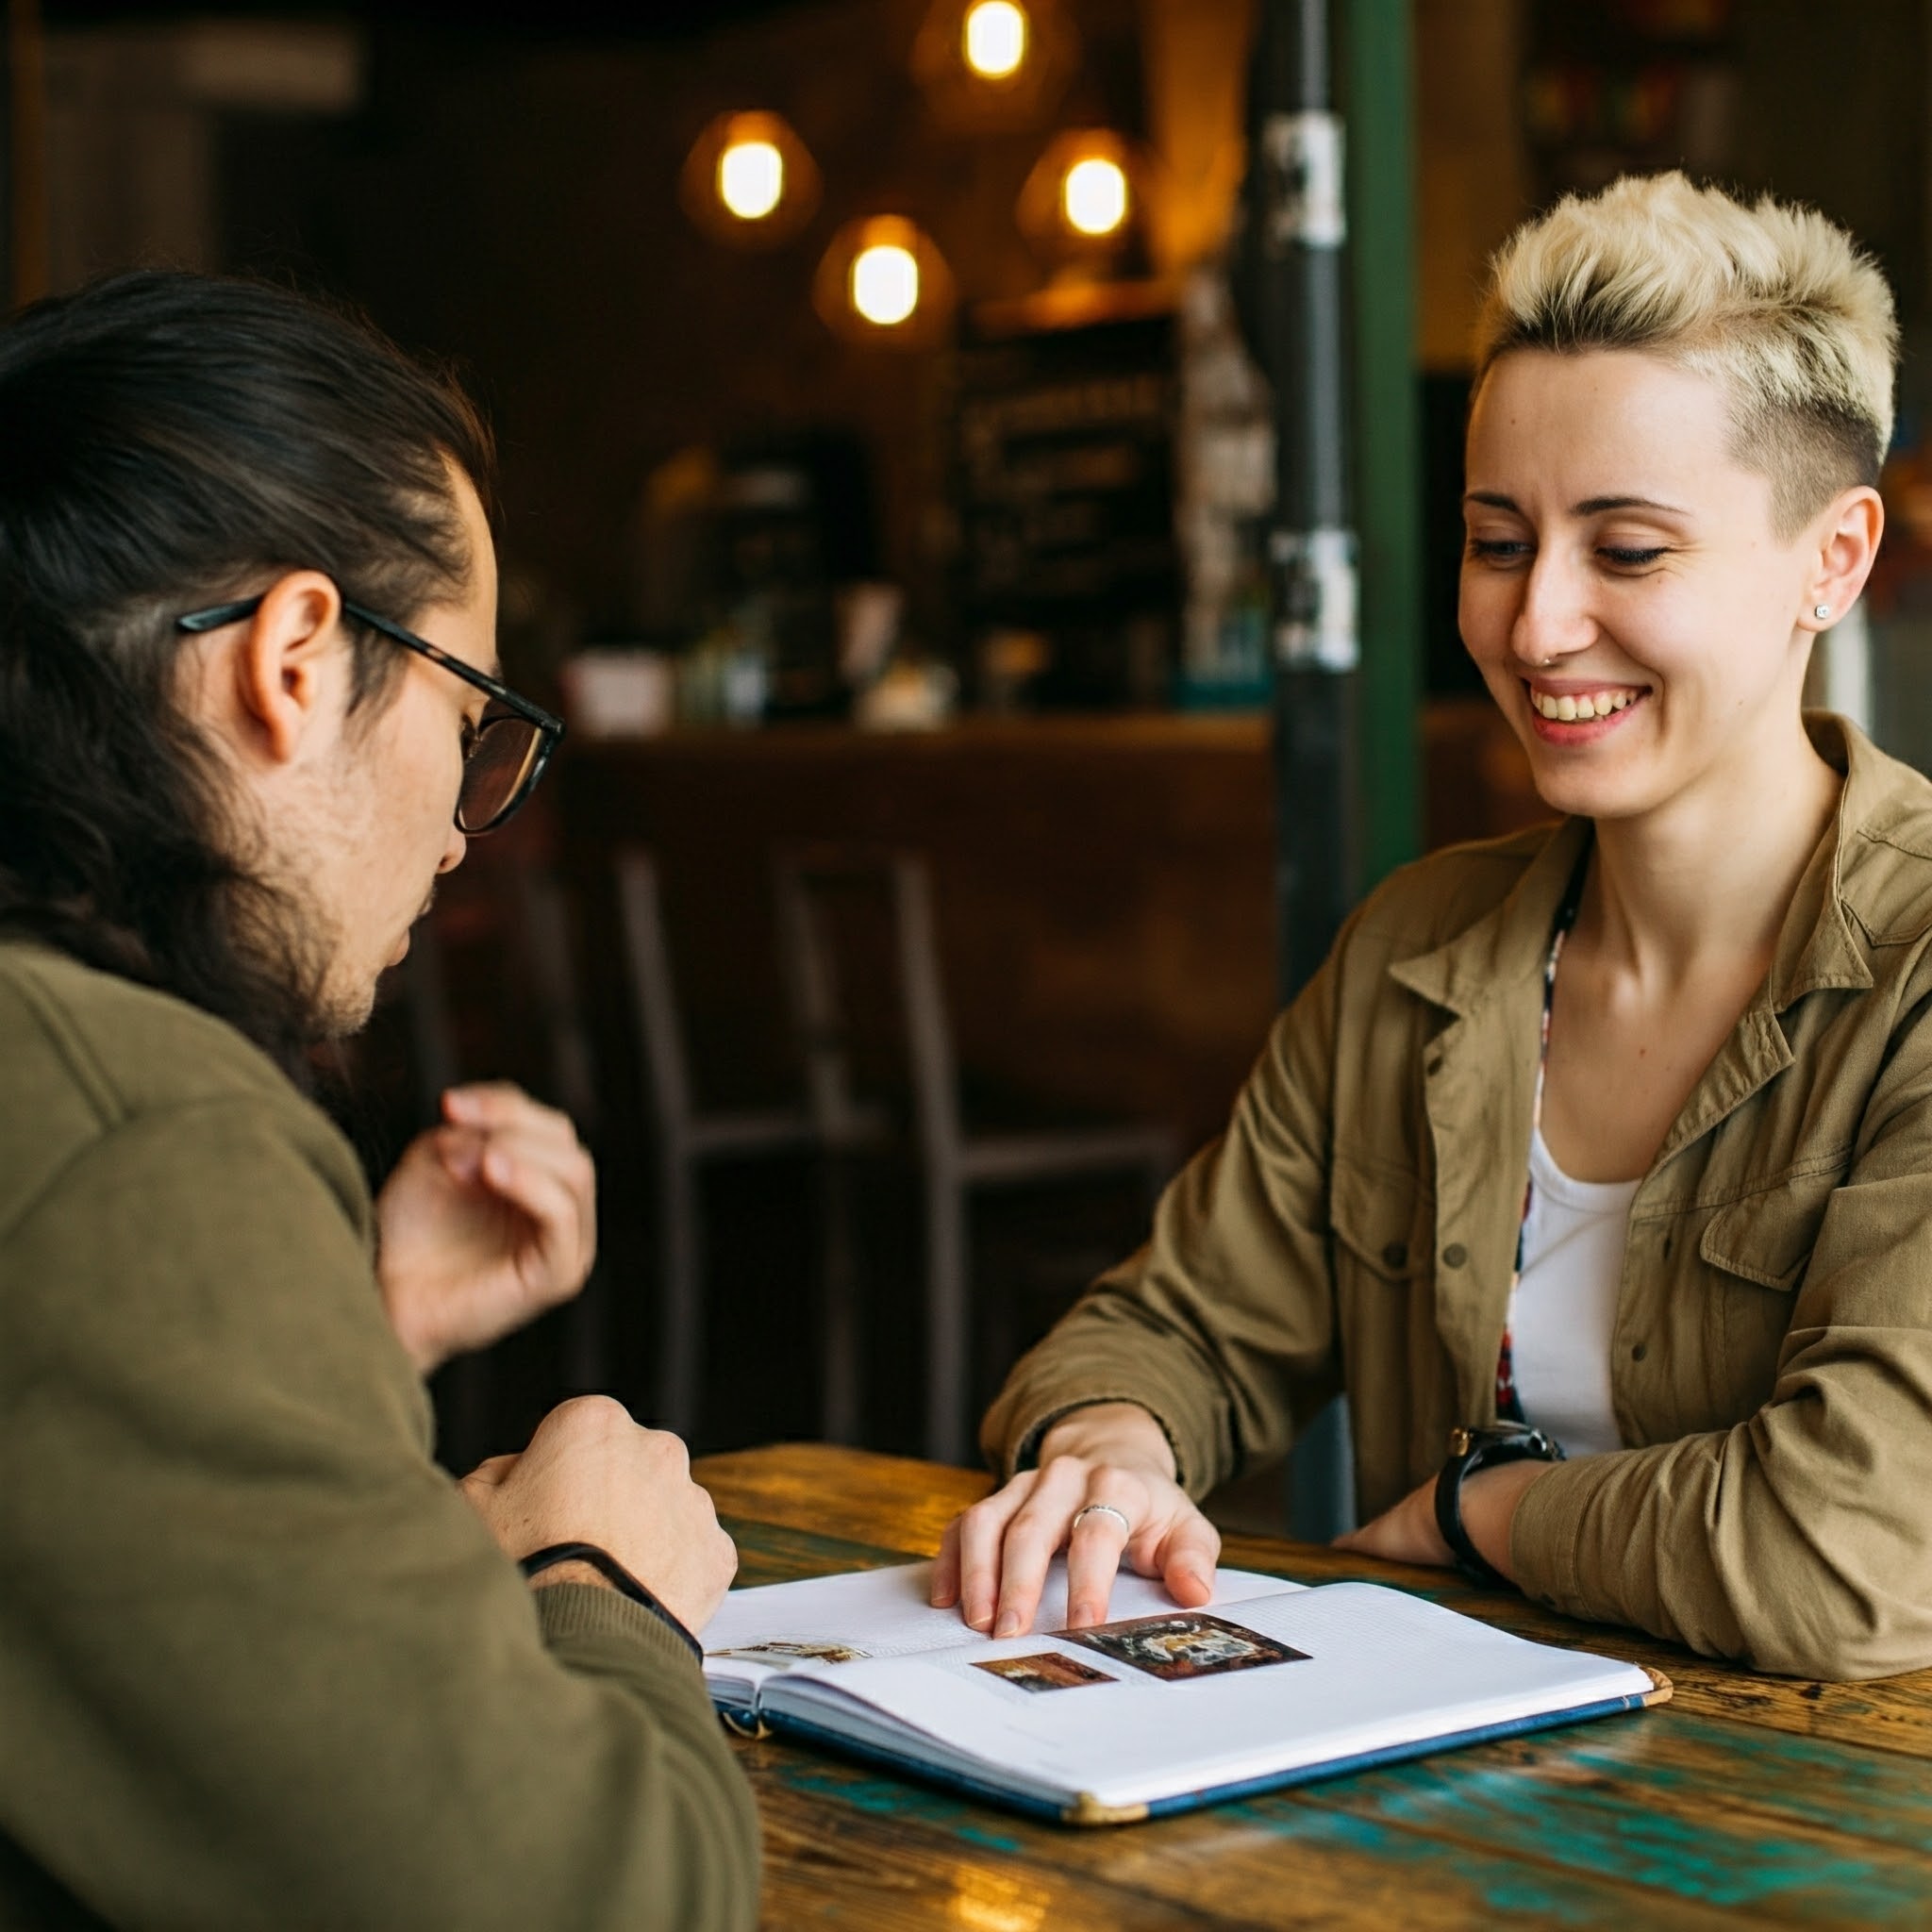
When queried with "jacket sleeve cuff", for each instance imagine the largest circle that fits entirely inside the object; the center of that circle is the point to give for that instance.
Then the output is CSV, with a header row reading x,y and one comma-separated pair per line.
x,y
1027,1456
1543,1535
1028,1408
598,1631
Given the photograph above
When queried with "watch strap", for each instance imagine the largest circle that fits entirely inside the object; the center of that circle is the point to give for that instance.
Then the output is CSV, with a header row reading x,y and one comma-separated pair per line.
x,y
613,1572
1471,1449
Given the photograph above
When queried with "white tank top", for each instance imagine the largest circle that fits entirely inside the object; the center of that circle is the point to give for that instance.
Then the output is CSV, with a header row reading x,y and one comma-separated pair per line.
x,y
1564,1309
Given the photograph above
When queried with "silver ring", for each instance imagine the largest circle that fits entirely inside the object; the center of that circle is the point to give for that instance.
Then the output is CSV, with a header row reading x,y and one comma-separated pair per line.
x,y
1120,1516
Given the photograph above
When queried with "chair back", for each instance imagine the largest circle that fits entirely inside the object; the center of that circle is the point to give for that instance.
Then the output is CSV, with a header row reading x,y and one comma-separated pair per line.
x,y
654,996
543,914
809,880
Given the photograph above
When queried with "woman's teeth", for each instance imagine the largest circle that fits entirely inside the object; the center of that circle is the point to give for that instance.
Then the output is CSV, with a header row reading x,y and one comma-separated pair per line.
x,y
1599,703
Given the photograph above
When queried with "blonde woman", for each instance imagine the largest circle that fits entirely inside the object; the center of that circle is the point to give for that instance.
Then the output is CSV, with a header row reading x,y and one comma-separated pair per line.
x,y
1596,1163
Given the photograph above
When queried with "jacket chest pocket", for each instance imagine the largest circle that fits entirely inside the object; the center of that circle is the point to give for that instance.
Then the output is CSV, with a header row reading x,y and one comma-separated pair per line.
x,y
1759,1249
1384,1226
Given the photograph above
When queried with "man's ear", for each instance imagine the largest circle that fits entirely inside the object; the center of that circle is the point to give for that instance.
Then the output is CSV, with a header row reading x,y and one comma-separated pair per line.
x,y
286,665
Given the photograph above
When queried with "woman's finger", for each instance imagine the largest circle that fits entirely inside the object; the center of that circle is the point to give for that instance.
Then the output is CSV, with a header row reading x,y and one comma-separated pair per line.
x,y
982,1531
1036,1531
1186,1558
1114,1507
944,1590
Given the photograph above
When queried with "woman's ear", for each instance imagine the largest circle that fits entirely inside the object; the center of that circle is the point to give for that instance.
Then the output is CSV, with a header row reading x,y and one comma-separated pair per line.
x,y
286,665
1848,535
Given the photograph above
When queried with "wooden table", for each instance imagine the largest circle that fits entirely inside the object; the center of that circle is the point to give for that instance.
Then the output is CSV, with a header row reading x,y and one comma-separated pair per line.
x,y
1746,1799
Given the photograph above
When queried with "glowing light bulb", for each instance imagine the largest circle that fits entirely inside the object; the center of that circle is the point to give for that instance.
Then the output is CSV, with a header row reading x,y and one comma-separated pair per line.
x,y
885,284
996,34
751,179
1094,196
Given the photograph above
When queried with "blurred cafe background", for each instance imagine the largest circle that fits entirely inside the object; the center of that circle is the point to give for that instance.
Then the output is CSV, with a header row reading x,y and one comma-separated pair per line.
x,y
980,479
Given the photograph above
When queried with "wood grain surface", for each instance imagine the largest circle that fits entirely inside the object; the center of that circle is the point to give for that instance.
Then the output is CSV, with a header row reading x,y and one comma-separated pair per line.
x,y
1746,1800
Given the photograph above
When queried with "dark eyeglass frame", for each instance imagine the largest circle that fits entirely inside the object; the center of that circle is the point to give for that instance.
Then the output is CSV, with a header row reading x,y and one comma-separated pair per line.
x,y
549,729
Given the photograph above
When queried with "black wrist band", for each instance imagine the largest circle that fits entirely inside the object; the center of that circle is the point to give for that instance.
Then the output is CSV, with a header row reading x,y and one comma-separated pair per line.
x,y
1471,1449
616,1575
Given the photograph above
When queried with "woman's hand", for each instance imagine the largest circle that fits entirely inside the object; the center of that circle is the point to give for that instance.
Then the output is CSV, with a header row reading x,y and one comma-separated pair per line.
x,y
486,1222
1406,1532
995,1557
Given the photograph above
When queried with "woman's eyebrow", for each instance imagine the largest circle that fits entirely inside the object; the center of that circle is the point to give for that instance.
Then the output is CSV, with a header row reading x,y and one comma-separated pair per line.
x,y
1595,506
1589,507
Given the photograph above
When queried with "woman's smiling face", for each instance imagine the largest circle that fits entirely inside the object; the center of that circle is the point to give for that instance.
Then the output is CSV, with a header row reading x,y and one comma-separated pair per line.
x,y
1625,592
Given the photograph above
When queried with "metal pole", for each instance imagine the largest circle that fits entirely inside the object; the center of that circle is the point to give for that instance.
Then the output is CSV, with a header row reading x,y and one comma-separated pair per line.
x,y
1377,69
1295,304
1293,299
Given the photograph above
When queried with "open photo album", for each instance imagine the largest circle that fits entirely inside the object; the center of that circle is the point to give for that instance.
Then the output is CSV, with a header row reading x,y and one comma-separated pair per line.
x,y
1159,1709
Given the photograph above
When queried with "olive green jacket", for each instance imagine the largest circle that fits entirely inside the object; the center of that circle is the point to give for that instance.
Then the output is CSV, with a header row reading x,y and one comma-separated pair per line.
x,y
1771,1361
260,1665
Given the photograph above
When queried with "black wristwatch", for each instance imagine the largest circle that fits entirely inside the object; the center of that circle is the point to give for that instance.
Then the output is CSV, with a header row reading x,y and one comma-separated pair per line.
x,y
1471,1449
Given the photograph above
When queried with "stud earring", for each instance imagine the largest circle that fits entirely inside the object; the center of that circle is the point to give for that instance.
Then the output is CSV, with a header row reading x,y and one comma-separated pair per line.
x,y
1821,611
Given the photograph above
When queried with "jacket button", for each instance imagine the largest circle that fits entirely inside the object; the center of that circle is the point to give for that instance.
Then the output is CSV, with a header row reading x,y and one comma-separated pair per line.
x,y
1637,1352
1454,1254
1395,1255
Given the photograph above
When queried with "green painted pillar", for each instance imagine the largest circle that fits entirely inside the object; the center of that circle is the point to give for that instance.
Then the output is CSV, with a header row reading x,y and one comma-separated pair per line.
x,y
1378,91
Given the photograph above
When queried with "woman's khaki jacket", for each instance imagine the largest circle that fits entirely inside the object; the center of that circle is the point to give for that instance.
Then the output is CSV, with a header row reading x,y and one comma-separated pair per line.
x,y
1772,1360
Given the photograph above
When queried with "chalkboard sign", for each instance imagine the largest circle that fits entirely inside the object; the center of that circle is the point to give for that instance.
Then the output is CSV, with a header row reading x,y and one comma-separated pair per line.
x,y
1065,467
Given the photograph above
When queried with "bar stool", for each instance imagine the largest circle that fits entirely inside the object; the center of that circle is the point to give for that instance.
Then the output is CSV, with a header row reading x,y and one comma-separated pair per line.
x,y
953,1161
685,1139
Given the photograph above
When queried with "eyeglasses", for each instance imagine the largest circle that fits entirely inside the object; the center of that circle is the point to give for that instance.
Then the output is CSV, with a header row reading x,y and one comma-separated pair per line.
x,y
502,757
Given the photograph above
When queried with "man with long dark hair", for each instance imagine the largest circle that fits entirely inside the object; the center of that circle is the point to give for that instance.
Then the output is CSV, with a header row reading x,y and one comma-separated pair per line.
x,y
261,1662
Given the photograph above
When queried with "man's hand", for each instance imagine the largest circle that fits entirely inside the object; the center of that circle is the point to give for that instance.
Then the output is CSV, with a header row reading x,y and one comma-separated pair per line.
x,y
592,1475
486,1222
993,1559
1406,1533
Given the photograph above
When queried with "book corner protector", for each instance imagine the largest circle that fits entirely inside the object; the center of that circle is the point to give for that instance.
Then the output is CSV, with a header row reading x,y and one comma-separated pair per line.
x,y
1087,1809
1661,1687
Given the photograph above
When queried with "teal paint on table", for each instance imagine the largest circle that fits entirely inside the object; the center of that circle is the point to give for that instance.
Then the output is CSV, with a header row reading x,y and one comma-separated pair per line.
x,y
1506,1888
897,1798
1572,1824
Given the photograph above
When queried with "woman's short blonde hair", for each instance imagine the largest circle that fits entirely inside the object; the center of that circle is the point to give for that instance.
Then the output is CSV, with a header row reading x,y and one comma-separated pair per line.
x,y
1775,301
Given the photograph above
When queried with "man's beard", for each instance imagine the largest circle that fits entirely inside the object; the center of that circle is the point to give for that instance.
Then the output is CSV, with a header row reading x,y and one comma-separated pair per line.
x,y
292,946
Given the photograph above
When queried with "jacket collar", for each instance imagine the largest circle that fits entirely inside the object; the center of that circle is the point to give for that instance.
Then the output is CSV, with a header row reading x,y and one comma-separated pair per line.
x,y
1508,943
1817,946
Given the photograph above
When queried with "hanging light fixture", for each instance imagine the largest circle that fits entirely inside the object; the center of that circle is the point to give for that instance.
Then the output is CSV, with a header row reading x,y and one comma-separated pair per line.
x,y
749,180
1083,200
997,38
883,280
986,64
1093,196
884,283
